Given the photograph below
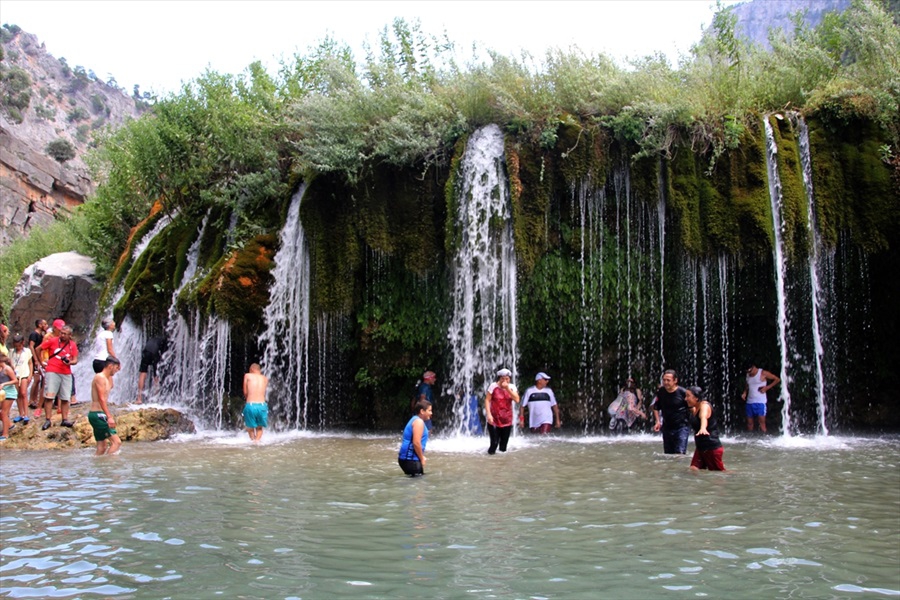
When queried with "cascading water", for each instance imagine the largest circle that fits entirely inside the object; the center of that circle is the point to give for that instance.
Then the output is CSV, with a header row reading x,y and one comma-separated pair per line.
x,y
780,273
816,250
194,370
129,338
482,331
287,319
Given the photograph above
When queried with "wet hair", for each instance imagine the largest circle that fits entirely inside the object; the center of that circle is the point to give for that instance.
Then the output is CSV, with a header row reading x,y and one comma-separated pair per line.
x,y
671,372
105,323
697,391
420,406
112,360
749,363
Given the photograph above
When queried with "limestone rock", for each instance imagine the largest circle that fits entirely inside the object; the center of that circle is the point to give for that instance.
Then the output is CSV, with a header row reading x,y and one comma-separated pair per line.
x,y
143,425
60,285
65,102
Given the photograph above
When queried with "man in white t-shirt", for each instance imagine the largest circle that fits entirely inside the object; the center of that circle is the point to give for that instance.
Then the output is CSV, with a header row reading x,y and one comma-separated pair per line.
x,y
540,403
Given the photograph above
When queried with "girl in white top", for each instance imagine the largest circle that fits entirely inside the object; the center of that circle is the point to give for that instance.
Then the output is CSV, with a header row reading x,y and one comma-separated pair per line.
x,y
104,344
20,357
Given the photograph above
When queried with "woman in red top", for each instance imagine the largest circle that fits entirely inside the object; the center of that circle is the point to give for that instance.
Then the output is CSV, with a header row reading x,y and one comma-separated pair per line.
x,y
498,408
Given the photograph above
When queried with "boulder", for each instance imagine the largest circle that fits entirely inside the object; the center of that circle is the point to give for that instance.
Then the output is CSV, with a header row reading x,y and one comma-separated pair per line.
x,y
143,425
57,286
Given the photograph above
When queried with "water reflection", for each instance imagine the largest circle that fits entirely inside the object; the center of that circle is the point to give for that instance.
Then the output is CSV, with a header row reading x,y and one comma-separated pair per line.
x,y
325,516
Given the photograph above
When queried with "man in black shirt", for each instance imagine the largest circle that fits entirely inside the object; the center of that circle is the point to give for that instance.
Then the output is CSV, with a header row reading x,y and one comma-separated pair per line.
x,y
670,401
35,338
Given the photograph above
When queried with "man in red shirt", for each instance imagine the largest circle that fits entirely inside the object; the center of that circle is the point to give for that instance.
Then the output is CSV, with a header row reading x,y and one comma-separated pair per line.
x,y
63,353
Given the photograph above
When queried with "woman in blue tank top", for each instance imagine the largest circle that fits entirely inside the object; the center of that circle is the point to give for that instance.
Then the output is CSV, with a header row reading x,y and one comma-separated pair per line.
x,y
415,437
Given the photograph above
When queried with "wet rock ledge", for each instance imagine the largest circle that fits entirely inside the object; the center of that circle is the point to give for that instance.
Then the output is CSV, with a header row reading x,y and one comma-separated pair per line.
x,y
133,424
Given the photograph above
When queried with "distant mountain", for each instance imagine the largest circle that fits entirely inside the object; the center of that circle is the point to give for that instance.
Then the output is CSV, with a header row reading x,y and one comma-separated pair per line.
x,y
48,114
757,17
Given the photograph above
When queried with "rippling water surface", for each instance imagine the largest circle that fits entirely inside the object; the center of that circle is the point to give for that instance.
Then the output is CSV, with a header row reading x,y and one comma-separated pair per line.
x,y
331,516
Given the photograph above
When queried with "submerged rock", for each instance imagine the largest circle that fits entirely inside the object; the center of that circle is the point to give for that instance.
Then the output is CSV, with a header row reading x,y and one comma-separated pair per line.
x,y
141,425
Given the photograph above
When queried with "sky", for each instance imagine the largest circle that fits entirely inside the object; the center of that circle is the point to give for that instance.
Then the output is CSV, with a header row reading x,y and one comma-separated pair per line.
x,y
159,44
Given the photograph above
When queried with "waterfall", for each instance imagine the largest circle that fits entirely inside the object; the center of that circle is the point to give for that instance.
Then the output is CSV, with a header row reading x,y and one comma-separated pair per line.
x,y
780,272
590,203
482,331
194,370
128,340
286,338
661,229
814,271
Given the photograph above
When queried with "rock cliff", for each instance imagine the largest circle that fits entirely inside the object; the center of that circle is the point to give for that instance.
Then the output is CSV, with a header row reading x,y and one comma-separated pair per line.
x,y
48,115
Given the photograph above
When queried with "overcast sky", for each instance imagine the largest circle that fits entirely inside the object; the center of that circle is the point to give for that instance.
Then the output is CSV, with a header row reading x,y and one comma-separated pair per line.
x,y
158,44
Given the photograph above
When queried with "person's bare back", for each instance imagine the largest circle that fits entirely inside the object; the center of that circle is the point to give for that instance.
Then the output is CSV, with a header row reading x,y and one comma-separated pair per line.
x,y
255,384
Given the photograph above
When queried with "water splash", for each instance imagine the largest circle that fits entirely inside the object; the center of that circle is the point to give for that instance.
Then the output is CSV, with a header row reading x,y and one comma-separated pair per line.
x,y
482,331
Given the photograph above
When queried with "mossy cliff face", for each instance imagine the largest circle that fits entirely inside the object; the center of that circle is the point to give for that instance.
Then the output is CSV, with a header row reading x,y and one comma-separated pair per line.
x,y
607,286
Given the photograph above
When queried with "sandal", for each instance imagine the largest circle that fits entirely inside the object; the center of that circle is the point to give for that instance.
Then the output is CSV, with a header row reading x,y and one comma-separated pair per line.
x,y
18,419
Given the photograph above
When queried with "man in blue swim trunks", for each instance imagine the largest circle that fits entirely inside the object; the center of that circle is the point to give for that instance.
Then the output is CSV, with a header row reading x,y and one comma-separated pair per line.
x,y
256,411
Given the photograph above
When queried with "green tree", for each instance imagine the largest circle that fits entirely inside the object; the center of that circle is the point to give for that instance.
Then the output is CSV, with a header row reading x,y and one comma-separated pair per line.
x,y
61,150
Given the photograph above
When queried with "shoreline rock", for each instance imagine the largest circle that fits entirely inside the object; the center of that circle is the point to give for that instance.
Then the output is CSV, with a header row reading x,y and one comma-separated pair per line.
x,y
133,424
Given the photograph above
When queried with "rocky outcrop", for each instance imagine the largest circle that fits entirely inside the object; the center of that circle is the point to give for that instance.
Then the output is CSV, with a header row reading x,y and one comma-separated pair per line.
x,y
61,285
143,425
756,18
44,100
34,188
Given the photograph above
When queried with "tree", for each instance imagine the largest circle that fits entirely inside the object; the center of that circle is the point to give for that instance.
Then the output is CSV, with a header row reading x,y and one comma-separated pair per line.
x,y
61,150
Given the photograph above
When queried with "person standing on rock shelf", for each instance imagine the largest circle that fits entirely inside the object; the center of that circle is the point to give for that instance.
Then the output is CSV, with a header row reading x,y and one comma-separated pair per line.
x,y
498,403
63,353
758,383
103,347
4,334
21,360
34,342
256,411
150,355
102,421
8,384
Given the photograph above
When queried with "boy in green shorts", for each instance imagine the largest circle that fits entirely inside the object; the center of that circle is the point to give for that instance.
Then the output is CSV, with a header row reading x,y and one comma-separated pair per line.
x,y
102,421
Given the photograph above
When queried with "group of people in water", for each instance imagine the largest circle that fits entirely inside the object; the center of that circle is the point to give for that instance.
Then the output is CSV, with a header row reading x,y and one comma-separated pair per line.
x,y
678,412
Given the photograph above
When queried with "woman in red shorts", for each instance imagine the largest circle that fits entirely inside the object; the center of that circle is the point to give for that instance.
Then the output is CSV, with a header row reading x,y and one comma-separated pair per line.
x,y
708,449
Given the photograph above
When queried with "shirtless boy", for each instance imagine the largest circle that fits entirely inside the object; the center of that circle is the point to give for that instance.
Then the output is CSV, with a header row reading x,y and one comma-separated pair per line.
x,y
101,419
256,411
